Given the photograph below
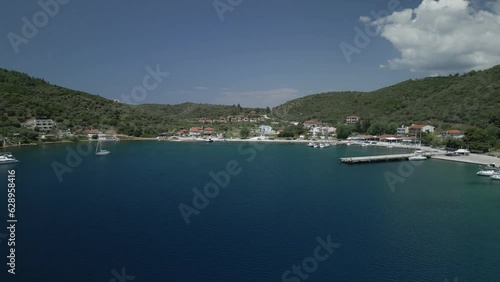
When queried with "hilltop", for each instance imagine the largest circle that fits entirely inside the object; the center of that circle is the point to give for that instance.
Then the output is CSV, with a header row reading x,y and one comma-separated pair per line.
x,y
472,98
23,97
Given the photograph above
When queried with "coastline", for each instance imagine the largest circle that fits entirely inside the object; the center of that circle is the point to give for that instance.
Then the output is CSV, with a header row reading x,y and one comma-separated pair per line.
x,y
439,154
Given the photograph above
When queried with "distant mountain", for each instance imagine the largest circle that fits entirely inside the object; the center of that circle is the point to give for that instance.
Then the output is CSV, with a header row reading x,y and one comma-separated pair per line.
x,y
22,97
472,98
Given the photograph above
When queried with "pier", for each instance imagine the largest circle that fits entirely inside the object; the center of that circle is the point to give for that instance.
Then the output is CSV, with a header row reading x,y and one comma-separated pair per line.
x,y
383,158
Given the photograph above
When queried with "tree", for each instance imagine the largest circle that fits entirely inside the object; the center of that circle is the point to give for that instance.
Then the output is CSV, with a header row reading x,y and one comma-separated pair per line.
x,y
365,124
244,132
357,127
377,128
478,139
343,131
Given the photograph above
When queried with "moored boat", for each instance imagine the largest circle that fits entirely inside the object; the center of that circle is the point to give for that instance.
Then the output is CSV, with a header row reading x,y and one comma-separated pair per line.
x,y
486,172
417,157
99,151
7,158
495,176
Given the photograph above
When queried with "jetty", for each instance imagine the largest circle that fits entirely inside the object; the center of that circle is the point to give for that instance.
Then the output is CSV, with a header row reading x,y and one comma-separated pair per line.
x,y
382,158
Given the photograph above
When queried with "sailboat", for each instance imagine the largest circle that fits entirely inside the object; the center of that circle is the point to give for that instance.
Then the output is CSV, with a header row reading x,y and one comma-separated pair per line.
x,y
99,151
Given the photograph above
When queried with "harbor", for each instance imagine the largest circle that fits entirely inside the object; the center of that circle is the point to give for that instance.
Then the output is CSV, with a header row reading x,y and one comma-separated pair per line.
x,y
382,158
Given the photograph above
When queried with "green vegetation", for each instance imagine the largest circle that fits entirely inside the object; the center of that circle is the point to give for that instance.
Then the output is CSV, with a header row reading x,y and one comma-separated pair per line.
x,y
344,131
23,97
292,131
244,132
472,98
469,102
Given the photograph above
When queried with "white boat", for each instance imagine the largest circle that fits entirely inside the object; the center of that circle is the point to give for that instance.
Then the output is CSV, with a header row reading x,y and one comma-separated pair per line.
x,y
99,151
322,146
486,172
365,144
310,144
390,146
316,146
495,176
417,157
7,158
326,145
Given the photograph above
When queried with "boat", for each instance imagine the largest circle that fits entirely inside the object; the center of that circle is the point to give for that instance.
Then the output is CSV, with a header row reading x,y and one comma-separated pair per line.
x,y
365,144
99,151
7,158
210,140
486,172
322,146
316,145
310,144
495,176
417,157
326,145
390,146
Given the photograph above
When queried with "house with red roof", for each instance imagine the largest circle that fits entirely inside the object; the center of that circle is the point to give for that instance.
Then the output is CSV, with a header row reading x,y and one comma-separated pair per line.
x,y
352,119
454,133
196,131
420,128
311,123
208,131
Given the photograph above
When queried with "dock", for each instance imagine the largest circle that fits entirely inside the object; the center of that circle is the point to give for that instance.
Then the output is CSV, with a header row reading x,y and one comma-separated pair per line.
x,y
383,158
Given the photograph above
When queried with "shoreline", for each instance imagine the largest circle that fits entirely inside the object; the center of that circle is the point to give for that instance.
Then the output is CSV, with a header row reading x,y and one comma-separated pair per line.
x,y
439,154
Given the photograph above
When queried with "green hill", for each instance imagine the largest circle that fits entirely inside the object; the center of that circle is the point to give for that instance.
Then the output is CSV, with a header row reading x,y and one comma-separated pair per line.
x,y
469,99
22,97
472,98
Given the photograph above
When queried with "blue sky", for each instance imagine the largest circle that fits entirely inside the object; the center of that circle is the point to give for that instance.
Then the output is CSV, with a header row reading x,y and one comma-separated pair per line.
x,y
261,54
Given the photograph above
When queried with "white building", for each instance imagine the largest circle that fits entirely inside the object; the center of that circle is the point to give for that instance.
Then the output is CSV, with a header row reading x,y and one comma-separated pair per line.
x,y
352,119
420,128
42,124
402,131
322,131
266,130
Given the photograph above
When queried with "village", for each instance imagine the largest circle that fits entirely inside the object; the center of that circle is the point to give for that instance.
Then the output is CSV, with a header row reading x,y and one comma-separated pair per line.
x,y
243,126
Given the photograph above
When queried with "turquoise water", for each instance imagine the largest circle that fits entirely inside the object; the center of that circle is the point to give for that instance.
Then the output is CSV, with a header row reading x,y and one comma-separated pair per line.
x,y
440,221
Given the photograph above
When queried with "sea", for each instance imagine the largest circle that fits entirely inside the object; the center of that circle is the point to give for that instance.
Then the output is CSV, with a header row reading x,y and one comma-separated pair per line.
x,y
227,211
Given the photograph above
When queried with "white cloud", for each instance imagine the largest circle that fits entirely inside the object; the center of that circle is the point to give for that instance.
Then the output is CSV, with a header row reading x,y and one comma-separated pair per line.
x,y
444,36
365,19
258,98
201,88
